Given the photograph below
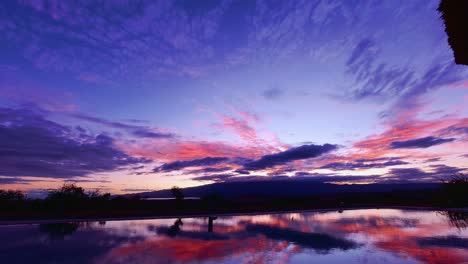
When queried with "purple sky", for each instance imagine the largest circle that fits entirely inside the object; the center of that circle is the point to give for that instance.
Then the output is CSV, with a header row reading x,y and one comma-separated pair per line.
x,y
138,95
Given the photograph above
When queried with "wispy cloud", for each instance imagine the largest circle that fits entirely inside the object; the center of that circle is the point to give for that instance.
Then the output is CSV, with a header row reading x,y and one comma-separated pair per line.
x,y
135,130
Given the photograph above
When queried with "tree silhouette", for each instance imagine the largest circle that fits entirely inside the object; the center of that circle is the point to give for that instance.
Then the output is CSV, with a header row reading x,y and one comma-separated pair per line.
x,y
177,193
11,195
454,13
455,190
69,191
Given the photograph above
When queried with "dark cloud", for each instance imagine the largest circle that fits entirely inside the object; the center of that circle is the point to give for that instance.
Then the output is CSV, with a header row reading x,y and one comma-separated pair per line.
x,y
136,190
437,173
210,170
379,221
15,180
444,241
444,170
87,180
317,241
272,93
31,145
181,164
215,177
135,130
297,153
242,171
363,164
331,178
432,160
378,159
424,142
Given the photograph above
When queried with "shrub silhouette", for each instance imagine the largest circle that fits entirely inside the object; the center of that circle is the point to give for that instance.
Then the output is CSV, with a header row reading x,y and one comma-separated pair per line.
x,y
459,219
11,196
59,230
71,196
177,193
69,191
455,190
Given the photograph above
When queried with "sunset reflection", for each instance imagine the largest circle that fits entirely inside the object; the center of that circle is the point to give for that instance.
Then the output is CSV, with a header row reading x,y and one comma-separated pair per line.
x,y
375,236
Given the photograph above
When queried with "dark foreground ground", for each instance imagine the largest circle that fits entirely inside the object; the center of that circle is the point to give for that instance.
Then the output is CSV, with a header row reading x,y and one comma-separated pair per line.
x,y
131,207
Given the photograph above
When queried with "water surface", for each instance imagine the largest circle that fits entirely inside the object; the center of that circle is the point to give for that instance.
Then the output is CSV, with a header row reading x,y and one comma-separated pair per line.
x,y
354,236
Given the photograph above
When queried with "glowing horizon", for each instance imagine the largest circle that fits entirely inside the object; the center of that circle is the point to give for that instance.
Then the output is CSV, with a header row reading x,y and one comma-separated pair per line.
x,y
125,97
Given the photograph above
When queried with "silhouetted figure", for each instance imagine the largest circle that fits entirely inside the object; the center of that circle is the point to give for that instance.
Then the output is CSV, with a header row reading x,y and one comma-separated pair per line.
x,y
210,223
175,228
455,16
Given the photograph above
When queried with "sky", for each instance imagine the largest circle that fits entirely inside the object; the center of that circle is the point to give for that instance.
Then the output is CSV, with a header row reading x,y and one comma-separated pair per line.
x,y
129,96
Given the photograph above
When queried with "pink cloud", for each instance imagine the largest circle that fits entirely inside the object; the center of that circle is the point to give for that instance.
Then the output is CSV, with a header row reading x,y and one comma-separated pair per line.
x,y
185,150
240,128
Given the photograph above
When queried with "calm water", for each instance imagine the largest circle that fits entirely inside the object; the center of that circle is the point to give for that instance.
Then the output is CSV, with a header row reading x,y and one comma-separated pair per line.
x,y
355,236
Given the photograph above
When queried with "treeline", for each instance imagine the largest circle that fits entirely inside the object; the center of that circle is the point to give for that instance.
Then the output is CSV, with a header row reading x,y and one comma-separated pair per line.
x,y
72,201
68,200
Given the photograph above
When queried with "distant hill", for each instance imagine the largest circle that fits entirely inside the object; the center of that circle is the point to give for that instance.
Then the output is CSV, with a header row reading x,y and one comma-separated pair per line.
x,y
286,188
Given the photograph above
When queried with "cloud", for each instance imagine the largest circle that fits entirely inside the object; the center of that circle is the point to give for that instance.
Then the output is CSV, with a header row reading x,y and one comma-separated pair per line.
x,y
292,154
459,128
242,171
272,93
209,170
330,178
373,80
139,131
240,128
424,142
381,144
317,241
15,180
436,174
215,177
431,160
136,190
363,164
31,145
191,149
178,165
444,241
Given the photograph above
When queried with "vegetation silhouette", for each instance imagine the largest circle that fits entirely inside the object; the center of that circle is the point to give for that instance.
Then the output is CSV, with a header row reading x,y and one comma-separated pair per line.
x,y
454,14
322,243
11,196
58,231
71,201
177,193
459,219
456,189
